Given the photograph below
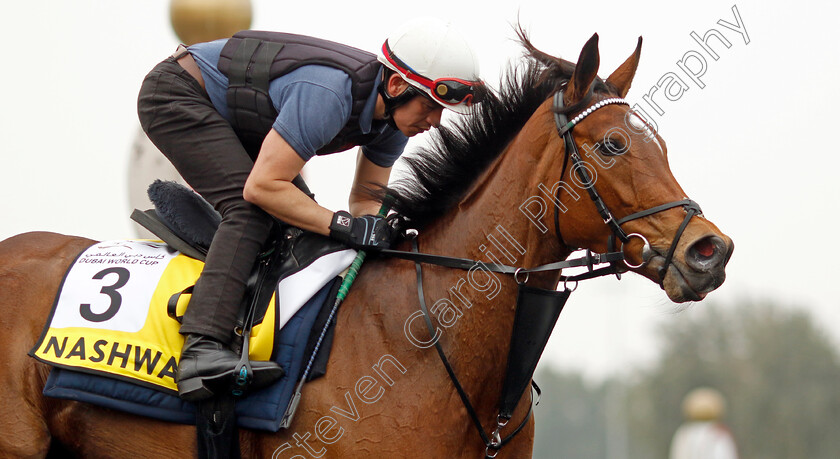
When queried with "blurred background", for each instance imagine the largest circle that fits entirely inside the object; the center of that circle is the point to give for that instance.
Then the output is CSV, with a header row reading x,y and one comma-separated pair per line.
x,y
754,146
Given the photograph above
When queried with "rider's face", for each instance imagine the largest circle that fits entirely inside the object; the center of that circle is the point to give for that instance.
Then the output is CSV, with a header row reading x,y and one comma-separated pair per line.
x,y
417,115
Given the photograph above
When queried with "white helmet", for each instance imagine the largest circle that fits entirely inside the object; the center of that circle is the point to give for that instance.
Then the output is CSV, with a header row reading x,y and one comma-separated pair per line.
x,y
434,58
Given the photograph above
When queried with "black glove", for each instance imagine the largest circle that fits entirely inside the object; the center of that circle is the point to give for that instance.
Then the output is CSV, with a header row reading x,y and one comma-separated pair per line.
x,y
362,233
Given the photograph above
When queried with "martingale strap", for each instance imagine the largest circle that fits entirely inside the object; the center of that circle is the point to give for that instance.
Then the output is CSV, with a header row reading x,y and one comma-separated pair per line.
x,y
537,310
495,442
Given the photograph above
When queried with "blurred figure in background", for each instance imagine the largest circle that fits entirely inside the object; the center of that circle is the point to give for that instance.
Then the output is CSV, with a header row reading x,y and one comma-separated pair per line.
x,y
703,435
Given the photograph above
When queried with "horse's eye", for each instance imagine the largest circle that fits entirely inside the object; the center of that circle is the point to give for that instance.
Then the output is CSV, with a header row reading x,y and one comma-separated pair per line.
x,y
612,147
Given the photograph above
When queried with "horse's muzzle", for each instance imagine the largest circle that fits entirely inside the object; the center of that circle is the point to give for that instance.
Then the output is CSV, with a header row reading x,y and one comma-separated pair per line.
x,y
697,271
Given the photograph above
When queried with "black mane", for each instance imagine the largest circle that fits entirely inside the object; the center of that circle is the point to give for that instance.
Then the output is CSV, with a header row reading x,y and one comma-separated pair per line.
x,y
440,174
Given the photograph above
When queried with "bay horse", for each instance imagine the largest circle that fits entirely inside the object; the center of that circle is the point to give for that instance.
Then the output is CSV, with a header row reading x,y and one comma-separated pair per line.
x,y
497,186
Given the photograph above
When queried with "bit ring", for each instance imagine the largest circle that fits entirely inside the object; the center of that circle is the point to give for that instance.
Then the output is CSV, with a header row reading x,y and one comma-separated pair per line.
x,y
647,244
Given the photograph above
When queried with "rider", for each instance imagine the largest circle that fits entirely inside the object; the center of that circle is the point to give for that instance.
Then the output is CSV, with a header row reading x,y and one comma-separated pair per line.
x,y
239,118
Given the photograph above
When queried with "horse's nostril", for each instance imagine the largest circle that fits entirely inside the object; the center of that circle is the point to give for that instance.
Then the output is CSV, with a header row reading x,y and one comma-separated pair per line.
x,y
705,247
706,254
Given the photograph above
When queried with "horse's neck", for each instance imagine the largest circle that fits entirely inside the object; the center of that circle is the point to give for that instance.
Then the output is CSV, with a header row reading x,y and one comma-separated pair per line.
x,y
489,227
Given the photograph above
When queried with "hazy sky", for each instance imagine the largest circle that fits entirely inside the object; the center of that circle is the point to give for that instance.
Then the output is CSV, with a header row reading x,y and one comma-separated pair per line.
x,y
754,146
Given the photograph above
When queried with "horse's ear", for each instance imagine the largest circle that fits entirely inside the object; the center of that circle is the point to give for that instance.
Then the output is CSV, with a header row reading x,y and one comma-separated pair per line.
x,y
623,75
585,72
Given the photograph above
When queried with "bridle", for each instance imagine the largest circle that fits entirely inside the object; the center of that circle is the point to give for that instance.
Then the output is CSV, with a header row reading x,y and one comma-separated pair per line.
x,y
494,441
564,130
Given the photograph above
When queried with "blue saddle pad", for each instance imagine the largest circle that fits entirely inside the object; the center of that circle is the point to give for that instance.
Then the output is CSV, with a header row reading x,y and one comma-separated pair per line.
x,y
262,409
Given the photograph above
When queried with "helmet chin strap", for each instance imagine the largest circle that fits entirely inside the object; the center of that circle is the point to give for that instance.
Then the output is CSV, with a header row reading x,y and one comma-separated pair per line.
x,y
392,102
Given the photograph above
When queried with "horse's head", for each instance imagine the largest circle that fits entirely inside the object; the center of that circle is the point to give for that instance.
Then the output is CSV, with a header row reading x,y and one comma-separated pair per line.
x,y
614,160
606,175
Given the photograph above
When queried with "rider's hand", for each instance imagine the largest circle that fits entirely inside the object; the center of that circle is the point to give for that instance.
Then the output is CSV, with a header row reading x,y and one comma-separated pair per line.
x,y
368,232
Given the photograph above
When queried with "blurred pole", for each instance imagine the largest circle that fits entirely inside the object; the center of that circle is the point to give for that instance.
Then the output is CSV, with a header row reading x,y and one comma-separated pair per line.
x,y
194,21
617,444
616,423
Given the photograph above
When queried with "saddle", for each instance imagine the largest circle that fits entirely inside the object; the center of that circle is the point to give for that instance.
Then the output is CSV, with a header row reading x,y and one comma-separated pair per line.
x,y
187,223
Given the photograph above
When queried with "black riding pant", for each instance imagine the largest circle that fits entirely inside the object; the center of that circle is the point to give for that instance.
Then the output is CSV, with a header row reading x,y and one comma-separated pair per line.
x,y
179,118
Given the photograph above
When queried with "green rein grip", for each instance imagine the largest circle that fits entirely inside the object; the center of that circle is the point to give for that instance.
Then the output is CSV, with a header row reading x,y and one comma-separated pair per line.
x,y
353,271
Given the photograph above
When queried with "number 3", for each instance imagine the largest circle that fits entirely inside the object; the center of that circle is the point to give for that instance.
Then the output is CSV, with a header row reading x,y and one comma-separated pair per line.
x,y
111,291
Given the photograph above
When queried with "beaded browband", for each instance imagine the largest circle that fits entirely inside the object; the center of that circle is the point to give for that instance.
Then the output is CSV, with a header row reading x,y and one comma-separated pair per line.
x,y
588,111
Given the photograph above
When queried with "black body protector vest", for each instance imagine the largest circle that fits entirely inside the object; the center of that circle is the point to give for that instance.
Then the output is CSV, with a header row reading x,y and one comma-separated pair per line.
x,y
251,59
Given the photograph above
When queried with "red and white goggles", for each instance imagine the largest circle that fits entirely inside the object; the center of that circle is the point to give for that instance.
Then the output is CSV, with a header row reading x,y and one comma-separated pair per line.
x,y
447,91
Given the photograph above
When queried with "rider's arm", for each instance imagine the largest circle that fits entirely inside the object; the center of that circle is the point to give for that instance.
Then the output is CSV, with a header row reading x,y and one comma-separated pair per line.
x,y
369,175
312,103
270,187
373,169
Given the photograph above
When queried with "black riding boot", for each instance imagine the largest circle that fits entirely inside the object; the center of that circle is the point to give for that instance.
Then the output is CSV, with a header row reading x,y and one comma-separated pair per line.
x,y
207,366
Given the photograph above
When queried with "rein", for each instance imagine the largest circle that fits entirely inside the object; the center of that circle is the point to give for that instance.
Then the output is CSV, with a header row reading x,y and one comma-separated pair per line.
x,y
494,441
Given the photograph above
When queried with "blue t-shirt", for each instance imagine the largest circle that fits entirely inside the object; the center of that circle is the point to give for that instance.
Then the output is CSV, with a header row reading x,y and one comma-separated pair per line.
x,y
313,103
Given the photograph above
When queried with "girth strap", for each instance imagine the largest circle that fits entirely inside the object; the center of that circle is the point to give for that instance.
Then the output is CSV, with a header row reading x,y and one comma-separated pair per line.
x,y
217,435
